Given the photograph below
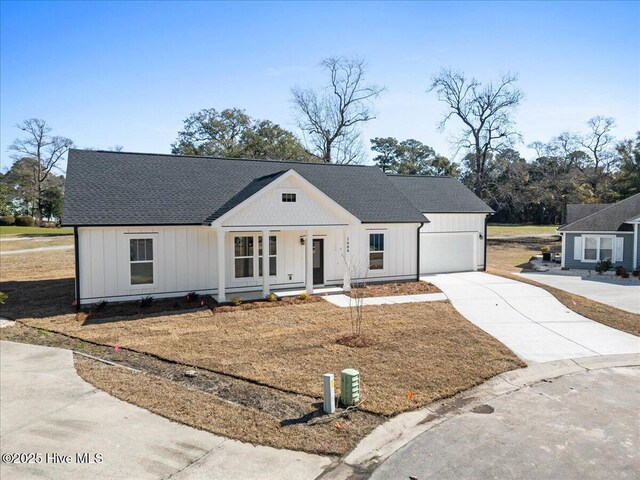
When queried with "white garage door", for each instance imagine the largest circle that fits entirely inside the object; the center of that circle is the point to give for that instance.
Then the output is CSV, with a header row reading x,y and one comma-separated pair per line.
x,y
447,252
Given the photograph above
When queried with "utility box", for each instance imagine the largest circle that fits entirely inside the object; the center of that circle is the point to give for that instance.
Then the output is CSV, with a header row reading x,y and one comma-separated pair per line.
x,y
329,404
349,387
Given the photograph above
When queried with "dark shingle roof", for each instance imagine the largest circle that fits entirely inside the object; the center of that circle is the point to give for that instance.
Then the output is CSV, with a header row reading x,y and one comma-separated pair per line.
x,y
576,211
432,194
609,219
119,188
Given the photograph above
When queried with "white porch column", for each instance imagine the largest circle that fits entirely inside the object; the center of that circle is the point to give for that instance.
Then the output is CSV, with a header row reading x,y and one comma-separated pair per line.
x,y
220,245
635,245
346,253
564,250
308,247
265,262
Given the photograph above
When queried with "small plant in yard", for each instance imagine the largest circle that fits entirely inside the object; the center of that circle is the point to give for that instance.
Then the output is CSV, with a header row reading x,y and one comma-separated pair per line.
x,y
271,297
303,296
3,298
146,302
192,296
636,273
96,307
236,301
621,272
545,249
603,266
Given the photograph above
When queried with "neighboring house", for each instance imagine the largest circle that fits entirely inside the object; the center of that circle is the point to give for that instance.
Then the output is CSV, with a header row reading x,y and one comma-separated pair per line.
x,y
166,225
599,232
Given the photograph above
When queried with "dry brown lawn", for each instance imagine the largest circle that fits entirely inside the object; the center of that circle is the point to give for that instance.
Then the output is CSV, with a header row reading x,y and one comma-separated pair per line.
x,y
426,348
387,289
9,243
514,256
37,266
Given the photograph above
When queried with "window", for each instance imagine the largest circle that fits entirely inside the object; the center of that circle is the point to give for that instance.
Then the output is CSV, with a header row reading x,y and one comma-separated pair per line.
x,y
246,256
243,253
272,256
376,251
141,261
288,197
597,248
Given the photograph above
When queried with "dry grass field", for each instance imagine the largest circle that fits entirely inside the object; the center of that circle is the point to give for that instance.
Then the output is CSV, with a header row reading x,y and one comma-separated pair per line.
x,y
11,243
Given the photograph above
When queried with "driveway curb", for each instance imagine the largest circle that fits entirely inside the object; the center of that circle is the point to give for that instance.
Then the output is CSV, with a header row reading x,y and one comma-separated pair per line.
x,y
400,430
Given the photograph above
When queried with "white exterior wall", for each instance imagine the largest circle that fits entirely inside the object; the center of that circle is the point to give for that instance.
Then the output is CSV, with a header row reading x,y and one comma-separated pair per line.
x,y
459,222
184,261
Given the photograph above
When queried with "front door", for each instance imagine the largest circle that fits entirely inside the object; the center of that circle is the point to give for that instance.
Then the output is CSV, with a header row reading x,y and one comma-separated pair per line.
x,y
318,261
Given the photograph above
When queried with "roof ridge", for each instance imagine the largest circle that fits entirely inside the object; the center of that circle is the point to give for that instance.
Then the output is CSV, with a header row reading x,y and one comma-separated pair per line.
x,y
265,160
416,175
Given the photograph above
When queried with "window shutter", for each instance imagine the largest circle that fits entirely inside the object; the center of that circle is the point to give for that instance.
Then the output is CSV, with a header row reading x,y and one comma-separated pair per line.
x,y
619,249
577,248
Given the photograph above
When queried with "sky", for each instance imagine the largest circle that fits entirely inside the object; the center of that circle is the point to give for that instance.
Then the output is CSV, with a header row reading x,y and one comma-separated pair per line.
x,y
128,73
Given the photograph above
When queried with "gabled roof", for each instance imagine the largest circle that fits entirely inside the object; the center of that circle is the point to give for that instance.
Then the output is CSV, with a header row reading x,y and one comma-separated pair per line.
x,y
609,219
576,211
120,188
439,194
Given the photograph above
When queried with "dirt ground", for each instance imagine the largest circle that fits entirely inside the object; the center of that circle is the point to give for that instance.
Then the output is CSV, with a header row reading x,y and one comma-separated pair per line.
x,y
387,289
514,255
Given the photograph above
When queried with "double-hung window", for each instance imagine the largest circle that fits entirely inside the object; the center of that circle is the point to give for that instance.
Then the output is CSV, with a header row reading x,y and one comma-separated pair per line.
x,y
246,256
272,255
597,248
376,251
141,261
243,252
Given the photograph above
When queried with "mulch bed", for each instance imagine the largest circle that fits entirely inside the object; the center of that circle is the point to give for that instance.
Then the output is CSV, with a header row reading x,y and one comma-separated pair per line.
x,y
389,289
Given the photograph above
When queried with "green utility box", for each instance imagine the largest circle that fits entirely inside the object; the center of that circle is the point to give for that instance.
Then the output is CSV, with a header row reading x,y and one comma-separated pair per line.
x,y
349,387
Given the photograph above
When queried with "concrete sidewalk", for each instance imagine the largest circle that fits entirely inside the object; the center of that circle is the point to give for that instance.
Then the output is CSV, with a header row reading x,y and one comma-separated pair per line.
x,y
48,408
344,301
529,320
620,294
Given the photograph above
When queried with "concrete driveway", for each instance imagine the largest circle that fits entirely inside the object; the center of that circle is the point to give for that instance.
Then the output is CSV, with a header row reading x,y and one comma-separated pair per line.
x,y
581,426
620,294
48,408
529,320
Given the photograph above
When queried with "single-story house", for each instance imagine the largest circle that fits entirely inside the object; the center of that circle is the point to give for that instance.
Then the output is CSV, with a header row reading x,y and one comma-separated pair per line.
x,y
602,231
166,225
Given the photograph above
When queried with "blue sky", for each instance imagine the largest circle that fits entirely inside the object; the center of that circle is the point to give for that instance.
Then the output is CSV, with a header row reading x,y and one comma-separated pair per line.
x,y
108,73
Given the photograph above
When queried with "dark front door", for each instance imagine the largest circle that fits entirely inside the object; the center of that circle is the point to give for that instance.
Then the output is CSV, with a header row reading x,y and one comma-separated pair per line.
x,y
318,261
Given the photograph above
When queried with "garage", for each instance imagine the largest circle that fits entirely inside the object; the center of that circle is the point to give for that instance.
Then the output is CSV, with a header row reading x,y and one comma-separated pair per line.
x,y
448,252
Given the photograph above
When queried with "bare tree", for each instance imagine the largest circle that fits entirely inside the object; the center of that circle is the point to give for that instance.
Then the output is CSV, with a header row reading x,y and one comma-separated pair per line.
x,y
330,115
486,112
599,145
45,149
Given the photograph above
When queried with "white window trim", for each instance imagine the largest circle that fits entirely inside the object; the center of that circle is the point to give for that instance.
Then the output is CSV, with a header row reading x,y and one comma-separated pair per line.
x,y
598,238
384,251
256,255
154,247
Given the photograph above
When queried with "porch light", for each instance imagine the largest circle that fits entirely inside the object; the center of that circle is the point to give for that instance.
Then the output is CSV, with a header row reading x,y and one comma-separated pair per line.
x,y
301,240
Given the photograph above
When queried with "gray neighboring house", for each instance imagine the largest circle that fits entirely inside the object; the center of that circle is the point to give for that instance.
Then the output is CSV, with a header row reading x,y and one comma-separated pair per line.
x,y
600,231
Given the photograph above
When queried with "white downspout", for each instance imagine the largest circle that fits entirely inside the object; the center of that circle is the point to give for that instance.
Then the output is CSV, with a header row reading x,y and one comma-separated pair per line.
x,y
564,249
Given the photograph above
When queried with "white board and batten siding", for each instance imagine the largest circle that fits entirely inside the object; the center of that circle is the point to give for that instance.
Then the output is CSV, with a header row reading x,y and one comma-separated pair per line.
x,y
184,261
451,242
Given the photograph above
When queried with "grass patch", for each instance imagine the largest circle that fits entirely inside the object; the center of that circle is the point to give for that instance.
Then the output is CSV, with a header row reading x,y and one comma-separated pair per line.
x,y
11,243
518,230
13,230
514,255
388,289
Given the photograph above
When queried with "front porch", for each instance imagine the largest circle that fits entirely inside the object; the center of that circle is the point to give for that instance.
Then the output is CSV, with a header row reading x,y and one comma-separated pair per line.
x,y
286,261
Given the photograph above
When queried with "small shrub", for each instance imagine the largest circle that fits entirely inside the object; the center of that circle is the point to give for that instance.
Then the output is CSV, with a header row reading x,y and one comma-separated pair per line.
x,y
146,302
236,301
96,307
7,220
3,298
25,221
603,266
545,249
192,296
303,296
45,224
621,272
271,297
636,273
